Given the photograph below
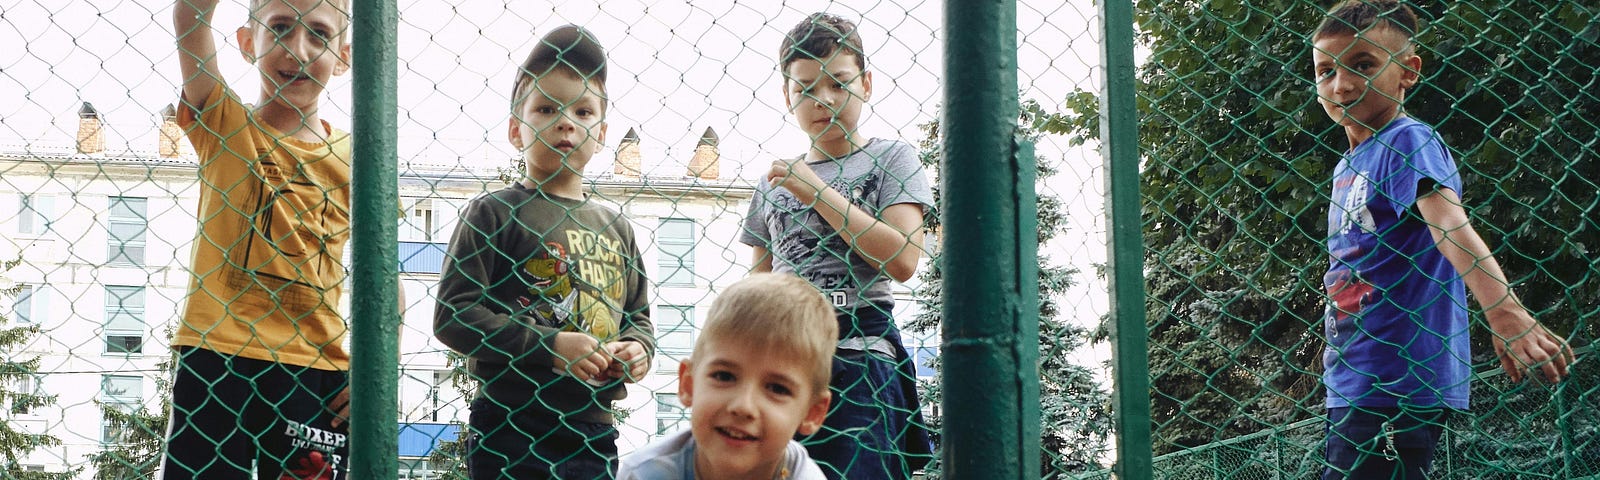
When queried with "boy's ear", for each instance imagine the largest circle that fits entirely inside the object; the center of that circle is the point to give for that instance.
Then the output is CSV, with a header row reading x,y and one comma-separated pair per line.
x,y
685,383
1413,73
866,86
815,414
788,103
513,133
601,138
247,44
344,59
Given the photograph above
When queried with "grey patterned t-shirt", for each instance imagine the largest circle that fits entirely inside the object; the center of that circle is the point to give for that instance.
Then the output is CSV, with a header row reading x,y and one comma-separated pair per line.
x,y
881,174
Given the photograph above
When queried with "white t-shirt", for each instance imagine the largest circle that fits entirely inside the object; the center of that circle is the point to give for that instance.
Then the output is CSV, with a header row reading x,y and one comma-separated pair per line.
x,y
672,458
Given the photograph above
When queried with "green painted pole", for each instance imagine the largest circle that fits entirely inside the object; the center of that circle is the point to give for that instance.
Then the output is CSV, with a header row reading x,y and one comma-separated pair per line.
x,y
991,316
375,310
1119,132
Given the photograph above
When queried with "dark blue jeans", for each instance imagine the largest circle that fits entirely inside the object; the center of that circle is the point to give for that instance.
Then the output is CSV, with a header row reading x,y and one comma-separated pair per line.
x,y
1368,443
874,428
533,444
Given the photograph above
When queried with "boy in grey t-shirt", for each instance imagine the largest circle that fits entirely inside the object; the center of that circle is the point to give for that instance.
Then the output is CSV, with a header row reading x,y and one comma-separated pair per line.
x,y
847,216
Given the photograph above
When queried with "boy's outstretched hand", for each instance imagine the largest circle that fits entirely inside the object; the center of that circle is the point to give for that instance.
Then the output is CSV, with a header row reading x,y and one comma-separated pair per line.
x,y
630,362
1521,343
579,354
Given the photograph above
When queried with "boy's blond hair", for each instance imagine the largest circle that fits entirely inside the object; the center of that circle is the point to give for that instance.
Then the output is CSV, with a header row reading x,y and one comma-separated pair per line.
x,y
777,312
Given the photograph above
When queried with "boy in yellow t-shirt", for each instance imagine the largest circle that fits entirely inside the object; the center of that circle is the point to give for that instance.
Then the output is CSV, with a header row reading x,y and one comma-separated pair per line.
x,y
260,354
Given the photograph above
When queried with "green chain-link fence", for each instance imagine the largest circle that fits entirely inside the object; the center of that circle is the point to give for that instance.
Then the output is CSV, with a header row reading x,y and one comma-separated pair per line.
x,y
100,194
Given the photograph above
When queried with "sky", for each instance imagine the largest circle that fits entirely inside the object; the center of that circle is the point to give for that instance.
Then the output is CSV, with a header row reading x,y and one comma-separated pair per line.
x,y
676,68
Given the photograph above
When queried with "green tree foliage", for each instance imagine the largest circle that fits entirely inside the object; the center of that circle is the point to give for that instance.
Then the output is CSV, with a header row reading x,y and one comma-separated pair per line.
x,y
17,367
1075,422
143,431
449,457
1236,161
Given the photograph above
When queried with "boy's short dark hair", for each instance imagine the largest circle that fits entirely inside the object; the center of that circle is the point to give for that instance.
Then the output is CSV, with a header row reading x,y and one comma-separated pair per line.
x,y
1354,16
568,48
820,35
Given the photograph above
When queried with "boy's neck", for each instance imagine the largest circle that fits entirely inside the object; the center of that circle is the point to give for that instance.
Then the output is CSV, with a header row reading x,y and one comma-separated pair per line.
x,y
295,123
834,149
564,186
1359,134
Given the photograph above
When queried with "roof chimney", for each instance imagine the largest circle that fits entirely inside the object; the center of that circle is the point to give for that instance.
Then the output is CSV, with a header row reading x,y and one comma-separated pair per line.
x,y
170,132
704,164
627,163
91,137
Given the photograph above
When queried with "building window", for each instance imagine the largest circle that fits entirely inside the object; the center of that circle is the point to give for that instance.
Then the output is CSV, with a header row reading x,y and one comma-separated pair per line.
x,y
675,240
32,215
419,224
25,388
125,231
441,379
124,328
123,393
674,335
22,308
670,414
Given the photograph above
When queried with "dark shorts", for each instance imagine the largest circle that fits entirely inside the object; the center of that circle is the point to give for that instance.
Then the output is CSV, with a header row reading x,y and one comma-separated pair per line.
x,y
231,413
874,428
530,444
1382,443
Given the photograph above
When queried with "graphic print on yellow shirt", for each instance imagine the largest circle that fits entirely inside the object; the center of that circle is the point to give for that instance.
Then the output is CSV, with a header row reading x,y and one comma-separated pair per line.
x,y
267,259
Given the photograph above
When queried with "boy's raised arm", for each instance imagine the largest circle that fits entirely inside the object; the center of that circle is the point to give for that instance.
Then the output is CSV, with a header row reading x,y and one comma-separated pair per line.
x,y
197,49
1520,342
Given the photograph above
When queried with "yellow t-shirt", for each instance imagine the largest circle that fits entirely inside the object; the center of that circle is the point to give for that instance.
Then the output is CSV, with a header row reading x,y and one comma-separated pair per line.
x,y
267,265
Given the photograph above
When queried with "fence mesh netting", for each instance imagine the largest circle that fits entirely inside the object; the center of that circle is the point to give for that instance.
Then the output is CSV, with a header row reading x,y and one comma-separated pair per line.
x,y
176,268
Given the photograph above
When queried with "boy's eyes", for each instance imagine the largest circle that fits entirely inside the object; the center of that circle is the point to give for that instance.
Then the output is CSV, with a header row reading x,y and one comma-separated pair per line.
x,y
780,389
722,376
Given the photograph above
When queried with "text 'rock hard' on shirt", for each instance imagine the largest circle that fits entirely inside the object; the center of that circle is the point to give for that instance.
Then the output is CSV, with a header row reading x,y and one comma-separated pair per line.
x,y
879,175
523,266
1396,319
267,261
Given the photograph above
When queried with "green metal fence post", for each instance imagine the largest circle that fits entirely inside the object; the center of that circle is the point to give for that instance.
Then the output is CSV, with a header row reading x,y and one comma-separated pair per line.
x,y
991,342
1119,124
375,312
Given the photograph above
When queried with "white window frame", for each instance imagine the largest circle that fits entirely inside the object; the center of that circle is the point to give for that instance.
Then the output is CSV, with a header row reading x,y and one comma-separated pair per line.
x,y
127,251
33,217
117,310
126,400
420,223
684,324
675,255
671,415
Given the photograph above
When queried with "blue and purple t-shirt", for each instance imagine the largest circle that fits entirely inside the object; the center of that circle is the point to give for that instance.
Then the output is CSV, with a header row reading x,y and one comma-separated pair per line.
x,y
1396,319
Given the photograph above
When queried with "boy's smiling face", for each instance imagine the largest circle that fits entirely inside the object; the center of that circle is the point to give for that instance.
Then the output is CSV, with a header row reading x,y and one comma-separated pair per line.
x,y
1362,79
558,125
826,95
297,46
748,402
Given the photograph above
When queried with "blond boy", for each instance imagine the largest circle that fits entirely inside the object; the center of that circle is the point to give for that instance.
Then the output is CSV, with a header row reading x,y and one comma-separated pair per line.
x,y
260,355
758,375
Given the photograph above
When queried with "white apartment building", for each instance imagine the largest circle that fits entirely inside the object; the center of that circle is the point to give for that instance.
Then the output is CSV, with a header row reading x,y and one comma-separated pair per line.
x,y
104,239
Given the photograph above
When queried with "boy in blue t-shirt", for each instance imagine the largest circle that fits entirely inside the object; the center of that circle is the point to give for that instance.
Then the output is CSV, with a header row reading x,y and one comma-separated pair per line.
x,y
1402,254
